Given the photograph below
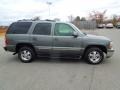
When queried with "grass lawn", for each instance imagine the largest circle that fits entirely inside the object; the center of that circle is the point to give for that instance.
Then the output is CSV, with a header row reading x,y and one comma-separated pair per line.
x,y
2,32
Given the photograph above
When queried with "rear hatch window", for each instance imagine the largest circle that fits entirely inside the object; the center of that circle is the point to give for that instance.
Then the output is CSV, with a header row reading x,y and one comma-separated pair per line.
x,y
19,28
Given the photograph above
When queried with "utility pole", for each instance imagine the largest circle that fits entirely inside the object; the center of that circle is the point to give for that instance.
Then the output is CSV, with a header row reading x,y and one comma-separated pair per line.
x,y
49,3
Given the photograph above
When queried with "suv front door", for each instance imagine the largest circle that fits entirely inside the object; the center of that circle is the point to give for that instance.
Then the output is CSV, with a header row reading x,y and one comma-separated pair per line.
x,y
63,40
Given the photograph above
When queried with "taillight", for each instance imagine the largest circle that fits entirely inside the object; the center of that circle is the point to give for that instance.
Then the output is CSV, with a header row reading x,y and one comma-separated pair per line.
x,y
6,41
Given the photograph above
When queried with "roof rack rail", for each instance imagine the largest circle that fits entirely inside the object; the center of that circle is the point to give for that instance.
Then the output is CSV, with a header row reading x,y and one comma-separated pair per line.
x,y
36,20
49,20
25,20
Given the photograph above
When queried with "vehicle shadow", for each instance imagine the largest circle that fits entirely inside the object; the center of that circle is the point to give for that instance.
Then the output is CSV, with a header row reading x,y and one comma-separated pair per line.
x,y
56,60
49,60
59,60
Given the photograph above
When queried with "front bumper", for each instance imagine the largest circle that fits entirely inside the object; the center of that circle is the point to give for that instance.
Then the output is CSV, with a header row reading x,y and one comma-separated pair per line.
x,y
110,52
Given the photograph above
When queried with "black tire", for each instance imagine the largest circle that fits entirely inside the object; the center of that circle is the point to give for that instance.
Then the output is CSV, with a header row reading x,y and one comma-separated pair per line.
x,y
29,51
91,58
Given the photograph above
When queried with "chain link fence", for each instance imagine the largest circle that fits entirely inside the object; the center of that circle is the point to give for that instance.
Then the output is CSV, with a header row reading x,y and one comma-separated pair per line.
x,y
87,25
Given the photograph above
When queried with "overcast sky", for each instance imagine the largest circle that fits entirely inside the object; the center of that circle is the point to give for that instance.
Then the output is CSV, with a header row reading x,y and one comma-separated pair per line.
x,y
12,10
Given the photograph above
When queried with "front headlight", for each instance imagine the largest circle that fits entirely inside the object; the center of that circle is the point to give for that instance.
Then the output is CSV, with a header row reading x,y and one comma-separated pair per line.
x,y
110,45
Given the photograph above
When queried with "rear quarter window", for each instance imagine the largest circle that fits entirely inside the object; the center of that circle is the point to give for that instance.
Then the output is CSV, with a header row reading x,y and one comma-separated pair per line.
x,y
19,28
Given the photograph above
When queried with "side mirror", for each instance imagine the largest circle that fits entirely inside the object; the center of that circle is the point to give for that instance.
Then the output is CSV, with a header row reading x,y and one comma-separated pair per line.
x,y
75,34
84,33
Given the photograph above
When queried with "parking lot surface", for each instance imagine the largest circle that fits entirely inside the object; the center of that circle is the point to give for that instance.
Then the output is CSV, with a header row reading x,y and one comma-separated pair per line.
x,y
56,74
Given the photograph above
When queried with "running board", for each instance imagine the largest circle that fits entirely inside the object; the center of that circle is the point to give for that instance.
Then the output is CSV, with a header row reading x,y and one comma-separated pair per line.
x,y
14,53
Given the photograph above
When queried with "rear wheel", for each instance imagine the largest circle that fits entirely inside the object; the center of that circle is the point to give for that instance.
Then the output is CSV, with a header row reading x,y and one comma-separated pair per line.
x,y
26,54
94,56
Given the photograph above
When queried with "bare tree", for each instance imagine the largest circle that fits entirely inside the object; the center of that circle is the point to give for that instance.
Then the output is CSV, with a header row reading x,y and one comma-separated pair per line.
x,y
70,18
83,19
99,17
114,20
76,21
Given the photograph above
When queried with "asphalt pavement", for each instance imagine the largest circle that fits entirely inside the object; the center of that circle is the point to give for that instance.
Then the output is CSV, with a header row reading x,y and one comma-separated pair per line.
x,y
56,74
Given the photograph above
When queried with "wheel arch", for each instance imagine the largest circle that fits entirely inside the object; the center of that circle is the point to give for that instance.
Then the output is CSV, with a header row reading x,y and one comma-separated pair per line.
x,y
102,47
19,45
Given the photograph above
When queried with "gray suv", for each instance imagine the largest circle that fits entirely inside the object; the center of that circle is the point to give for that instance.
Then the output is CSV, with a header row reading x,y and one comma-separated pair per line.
x,y
44,38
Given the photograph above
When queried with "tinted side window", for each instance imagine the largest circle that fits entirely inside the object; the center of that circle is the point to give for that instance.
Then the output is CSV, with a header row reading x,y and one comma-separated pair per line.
x,y
19,28
62,29
42,29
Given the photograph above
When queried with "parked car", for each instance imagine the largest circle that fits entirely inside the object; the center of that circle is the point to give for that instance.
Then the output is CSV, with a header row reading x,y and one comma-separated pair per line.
x,y
100,25
109,25
118,25
30,39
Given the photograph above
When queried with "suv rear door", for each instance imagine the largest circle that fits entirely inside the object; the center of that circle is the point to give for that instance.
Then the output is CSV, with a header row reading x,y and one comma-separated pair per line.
x,y
42,38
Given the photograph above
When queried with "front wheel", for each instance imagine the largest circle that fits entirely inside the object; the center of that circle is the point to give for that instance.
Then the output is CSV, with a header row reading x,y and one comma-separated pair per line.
x,y
94,56
26,54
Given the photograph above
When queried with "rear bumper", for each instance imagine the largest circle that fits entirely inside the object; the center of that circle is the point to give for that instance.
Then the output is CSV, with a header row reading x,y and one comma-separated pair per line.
x,y
10,48
5,48
110,53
